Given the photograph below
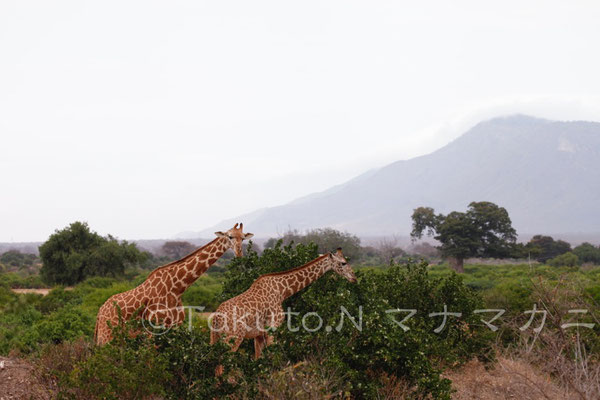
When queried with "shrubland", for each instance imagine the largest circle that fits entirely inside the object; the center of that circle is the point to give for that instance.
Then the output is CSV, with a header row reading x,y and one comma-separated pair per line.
x,y
380,358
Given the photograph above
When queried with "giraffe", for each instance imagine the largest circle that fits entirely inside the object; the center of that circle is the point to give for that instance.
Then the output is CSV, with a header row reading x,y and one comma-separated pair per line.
x,y
247,315
159,296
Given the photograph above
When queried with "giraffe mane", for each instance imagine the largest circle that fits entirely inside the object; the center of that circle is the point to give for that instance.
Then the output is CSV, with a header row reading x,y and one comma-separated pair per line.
x,y
294,269
184,258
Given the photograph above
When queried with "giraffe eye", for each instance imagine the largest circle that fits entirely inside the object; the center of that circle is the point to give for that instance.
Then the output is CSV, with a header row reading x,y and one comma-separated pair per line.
x,y
230,237
344,263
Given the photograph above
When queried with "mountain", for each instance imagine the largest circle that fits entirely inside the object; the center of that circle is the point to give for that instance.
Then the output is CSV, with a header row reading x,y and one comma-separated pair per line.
x,y
545,173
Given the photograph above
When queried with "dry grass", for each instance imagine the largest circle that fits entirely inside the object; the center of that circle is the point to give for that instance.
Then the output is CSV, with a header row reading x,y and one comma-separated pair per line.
x,y
307,380
507,379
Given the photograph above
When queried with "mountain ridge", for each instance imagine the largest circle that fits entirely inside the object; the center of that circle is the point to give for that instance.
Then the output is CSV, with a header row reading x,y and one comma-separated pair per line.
x,y
544,172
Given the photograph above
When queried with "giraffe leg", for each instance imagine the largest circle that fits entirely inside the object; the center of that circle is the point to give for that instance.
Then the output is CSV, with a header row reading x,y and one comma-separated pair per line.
x,y
214,336
236,344
259,344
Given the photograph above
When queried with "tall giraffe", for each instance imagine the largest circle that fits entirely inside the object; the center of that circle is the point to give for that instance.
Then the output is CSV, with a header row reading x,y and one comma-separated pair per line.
x,y
247,315
159,295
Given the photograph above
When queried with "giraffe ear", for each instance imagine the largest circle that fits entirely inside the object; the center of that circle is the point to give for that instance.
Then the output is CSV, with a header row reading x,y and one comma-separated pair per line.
x,y
220,234
248,235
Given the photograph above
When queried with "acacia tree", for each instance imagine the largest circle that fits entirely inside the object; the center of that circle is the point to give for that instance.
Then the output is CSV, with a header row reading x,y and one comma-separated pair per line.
x,y
484,230
72,254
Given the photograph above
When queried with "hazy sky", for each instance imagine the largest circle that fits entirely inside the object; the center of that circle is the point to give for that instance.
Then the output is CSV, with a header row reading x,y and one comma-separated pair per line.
x,y
149,118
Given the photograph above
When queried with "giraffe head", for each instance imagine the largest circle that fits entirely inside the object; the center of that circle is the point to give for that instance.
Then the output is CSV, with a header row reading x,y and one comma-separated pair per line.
x,y
341,266
234,237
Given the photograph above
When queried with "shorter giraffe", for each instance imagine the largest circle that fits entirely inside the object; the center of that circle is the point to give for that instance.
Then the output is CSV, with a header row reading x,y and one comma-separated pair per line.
x,y
247,315
159,296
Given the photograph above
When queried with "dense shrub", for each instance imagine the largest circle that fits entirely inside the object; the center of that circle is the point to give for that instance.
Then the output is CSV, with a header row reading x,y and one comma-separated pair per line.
x,y
567,259
381,346
543,248
15,259
67,323
326,239
57,298
18,281
587,253
179,364
74,253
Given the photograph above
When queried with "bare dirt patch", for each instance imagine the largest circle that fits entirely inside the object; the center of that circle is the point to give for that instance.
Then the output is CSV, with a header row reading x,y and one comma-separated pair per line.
x,y
43,292
19,380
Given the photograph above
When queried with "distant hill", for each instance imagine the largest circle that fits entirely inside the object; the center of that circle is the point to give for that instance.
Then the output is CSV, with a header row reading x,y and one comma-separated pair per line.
x,y
545,173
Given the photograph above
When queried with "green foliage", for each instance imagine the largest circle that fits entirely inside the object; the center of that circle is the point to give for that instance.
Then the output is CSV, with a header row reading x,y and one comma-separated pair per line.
x,y
18,281
127,368
179,364
16,259
57,298
205,292
484,230
67,323
567,259
543,248
192,361
74,253
587,253
326,239
380,346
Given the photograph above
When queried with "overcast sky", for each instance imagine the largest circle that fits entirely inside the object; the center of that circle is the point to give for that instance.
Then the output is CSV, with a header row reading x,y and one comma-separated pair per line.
x,y
149,118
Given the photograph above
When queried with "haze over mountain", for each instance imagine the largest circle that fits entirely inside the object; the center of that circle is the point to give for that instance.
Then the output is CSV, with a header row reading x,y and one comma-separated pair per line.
x,y
545,173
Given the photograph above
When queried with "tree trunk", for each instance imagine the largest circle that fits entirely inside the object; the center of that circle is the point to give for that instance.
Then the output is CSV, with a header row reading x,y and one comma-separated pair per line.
x,y
457,264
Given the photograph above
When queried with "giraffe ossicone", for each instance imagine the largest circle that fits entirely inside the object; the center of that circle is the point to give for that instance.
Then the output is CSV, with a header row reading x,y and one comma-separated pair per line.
x,y
251,314
159,296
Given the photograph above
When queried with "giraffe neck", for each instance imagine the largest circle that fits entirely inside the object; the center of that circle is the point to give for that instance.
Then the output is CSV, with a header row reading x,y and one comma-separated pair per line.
x,y
187,270
299,278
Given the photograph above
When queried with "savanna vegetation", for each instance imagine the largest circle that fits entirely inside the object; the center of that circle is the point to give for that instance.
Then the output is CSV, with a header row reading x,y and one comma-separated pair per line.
x,y
358,343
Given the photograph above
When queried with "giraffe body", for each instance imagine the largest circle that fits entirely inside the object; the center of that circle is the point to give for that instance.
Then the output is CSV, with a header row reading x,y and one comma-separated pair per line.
x,y
159,297
250,314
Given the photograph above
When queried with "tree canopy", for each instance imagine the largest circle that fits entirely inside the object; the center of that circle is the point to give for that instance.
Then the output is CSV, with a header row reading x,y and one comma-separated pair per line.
x,y
543,248
74,253
484,230
587,253
176,249
327,239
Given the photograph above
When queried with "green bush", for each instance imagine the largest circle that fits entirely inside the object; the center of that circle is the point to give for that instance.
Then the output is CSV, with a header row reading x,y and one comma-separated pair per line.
x,y
381,346
588,253
567,259
18,281
57,298
67,323
192,362
126,368
74,253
